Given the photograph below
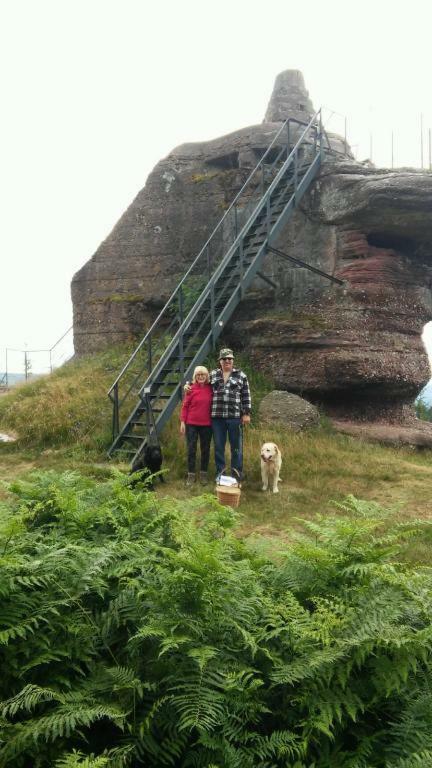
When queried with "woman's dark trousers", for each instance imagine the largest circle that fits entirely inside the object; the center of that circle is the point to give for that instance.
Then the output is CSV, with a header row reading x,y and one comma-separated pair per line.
x,y
205,435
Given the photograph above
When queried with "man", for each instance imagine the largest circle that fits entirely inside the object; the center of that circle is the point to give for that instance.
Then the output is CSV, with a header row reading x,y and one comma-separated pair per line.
x,y
231,409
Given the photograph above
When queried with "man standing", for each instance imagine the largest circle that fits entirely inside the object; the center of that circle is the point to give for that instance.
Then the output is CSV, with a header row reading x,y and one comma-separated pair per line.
x,y
231,409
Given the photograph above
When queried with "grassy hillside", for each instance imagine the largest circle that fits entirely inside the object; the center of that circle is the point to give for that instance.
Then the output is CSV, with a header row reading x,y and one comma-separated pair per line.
x,y
67,408
63,422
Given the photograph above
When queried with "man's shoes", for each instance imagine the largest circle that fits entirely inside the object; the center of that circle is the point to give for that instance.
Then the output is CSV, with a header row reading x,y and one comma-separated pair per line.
x,y
190,480
203,477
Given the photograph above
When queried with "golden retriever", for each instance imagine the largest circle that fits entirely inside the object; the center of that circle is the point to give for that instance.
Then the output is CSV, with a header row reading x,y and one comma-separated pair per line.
x,y
271,462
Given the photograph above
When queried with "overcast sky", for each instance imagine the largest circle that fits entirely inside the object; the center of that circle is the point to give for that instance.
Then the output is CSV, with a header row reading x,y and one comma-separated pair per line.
x,y
95,92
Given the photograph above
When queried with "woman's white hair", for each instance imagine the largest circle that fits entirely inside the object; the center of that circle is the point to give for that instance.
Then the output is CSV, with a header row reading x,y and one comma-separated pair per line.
x,y
200,369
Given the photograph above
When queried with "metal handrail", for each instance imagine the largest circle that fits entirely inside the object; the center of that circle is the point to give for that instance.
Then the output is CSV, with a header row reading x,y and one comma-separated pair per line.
x,y
203,249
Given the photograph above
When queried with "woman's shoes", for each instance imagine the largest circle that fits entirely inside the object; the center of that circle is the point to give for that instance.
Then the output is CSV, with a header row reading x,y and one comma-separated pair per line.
x,y
190,479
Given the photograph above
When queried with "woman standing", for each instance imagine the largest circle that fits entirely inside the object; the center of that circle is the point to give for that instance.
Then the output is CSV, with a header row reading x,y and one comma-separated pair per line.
x,y
195,422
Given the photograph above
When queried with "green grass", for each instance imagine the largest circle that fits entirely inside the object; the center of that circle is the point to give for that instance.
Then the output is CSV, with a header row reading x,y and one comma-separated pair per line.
x,y
69,408
64,420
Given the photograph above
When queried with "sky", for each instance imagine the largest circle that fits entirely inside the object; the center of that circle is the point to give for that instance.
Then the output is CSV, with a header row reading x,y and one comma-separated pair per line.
x,y
95,92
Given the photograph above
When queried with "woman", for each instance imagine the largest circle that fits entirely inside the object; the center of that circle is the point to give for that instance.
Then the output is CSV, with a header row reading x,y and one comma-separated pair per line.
x,y
195,422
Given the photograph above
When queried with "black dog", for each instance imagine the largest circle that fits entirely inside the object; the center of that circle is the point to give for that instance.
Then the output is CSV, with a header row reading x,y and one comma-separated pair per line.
x,y
147,463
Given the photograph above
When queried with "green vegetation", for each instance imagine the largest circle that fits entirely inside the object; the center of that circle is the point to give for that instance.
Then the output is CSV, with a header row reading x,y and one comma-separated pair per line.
x,y
137,631
198,178
139,628
64,422
423,410
69,407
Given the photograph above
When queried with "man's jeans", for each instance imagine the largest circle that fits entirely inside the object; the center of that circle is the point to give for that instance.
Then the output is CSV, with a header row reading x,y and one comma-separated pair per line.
x,y
231,428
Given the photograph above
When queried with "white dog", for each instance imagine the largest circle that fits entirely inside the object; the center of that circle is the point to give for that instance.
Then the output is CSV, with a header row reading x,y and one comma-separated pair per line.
x,y
271,462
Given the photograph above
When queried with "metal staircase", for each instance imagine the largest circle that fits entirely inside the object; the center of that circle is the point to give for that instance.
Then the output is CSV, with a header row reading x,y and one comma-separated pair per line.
x,y
150,385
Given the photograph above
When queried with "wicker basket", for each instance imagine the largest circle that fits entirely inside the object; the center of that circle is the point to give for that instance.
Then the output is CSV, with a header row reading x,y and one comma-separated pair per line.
x,y
228,495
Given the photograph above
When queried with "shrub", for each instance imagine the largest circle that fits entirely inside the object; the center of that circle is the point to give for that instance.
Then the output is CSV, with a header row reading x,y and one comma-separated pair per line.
x,y
423,410
141,632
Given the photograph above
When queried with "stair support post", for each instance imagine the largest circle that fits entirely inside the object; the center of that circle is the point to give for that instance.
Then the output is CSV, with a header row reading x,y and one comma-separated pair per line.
x,y
181,339
147,407
295,175
320,136
235,221
116,418
181,358
288,139
181,306
213,315
149,354
209,262
242,290
268,214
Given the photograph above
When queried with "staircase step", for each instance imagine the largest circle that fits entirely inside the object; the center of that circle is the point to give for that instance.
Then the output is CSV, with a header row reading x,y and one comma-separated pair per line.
x,y
165,383
141,411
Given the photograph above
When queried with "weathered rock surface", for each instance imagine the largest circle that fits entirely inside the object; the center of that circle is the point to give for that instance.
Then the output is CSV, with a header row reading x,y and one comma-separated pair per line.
x,y
355,348
118,293
283,409
289,98
418,435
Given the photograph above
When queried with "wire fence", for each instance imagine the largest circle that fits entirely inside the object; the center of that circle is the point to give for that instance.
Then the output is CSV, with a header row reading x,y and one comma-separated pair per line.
x,y
405,143
18,365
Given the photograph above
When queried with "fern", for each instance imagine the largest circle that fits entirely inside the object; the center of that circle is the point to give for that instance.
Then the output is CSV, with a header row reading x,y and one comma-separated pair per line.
x,y
134,631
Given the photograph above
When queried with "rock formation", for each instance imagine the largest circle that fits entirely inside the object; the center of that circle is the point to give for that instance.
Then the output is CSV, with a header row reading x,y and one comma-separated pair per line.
x,y
289,97
279,408
356,349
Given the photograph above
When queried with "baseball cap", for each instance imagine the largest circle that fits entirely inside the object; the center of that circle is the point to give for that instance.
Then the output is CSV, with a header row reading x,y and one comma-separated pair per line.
x,y
226,353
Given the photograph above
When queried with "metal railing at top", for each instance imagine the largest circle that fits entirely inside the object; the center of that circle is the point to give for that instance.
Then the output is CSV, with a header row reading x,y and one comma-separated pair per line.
x,y
189,289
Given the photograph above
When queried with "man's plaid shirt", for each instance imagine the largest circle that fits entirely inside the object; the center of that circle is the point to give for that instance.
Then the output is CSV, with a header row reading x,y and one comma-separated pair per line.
x,y
231,399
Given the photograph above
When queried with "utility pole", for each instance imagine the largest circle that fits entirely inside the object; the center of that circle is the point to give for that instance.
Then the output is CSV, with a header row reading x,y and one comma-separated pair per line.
x,y
27,366
430,157
421,138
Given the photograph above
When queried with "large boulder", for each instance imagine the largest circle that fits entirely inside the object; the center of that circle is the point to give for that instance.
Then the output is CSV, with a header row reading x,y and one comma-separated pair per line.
x,y
118,293
283,409
357,348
